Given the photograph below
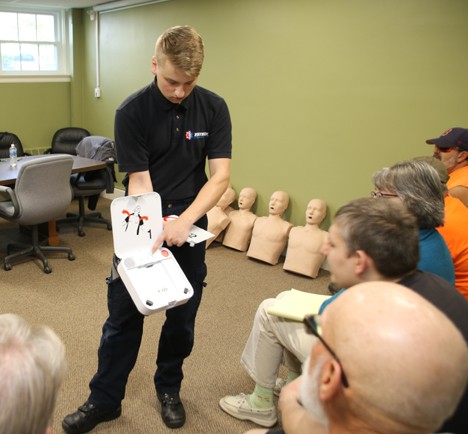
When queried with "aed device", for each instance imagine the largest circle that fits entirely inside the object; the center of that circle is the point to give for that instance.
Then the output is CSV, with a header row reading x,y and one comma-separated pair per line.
x,y
154,281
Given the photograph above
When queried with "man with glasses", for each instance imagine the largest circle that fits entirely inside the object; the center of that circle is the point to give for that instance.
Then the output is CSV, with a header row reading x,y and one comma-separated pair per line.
x,y
370,240
391,342
452,149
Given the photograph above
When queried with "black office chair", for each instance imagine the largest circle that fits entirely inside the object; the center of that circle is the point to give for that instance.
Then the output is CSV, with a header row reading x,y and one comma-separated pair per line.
x,y
6,140
42,192
65,140
92,184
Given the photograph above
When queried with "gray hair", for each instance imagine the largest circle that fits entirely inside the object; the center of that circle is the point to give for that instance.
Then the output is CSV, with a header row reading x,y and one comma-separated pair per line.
x,y
32,367
418,186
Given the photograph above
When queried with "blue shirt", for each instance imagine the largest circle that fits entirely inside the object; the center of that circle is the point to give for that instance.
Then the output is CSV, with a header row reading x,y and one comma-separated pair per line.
x,y
434,255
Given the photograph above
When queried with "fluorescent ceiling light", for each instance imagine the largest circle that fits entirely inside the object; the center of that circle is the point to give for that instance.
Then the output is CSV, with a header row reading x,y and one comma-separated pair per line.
x,y
123,4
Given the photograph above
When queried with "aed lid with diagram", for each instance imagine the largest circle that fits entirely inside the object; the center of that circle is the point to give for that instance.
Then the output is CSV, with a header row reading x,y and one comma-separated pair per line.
x,y
136,223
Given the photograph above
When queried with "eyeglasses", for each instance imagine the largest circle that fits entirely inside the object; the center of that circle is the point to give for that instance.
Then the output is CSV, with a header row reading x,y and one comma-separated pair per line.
x,y
444,150
312,326
379,195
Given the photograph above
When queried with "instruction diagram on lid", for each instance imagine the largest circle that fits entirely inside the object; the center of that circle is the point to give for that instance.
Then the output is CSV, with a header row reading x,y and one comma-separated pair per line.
x,y
155,281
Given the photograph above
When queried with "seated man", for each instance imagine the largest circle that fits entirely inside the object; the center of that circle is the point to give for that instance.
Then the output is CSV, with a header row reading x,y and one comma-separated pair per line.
x,y
372,369
452,149
32,366
370,240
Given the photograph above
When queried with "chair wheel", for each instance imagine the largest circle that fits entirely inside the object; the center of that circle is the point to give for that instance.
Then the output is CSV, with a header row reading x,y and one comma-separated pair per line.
x,y
109,227
71,257
81,233
7,267
47,270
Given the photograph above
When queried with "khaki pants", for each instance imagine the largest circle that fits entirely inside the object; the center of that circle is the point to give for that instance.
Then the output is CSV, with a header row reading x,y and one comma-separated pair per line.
x,y
271,338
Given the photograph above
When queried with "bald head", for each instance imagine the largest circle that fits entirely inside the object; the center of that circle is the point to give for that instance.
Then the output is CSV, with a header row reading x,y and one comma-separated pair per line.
x,y
396,349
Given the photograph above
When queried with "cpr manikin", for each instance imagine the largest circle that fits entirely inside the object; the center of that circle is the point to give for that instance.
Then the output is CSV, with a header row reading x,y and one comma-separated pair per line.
x,y
218,219
239,232
270,234
303,255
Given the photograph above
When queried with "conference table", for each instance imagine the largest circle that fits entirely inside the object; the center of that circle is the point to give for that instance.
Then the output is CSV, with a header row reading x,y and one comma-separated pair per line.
x,y
9,174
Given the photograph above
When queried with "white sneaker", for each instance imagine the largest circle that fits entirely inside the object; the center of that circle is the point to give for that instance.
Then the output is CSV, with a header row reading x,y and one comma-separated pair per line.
x,y
239,407
280,383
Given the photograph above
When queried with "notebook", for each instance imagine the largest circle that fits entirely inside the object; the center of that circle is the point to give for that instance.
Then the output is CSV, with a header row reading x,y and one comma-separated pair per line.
x,y
297,304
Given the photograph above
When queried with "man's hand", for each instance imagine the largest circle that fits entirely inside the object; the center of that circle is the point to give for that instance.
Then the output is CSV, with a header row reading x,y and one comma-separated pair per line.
x,y
175,233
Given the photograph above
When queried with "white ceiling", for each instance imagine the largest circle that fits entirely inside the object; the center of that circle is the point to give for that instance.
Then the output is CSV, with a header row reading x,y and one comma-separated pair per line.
x,y
66,4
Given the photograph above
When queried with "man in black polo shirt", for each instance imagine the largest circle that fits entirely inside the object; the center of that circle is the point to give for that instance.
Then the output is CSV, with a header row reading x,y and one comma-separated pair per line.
x,y
163,134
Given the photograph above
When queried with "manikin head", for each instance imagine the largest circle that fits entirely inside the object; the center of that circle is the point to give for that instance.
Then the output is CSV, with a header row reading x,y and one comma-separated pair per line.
x,y
392,345
247,198
316,211
371,239
177,62
451,148
417,185
227,198
32,367
279,202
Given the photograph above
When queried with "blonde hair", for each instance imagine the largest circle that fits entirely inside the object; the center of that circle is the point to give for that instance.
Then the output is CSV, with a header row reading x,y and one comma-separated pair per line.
x,y
183,47
32,367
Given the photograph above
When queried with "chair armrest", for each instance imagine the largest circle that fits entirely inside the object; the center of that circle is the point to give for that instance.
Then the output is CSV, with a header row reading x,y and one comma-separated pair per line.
x,y
14,200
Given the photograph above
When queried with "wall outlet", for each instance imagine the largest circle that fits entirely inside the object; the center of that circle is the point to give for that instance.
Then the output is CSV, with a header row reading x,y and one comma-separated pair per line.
x,y
97,92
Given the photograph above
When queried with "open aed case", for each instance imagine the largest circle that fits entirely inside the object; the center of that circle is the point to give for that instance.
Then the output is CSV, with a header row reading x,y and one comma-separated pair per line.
x,y
154,281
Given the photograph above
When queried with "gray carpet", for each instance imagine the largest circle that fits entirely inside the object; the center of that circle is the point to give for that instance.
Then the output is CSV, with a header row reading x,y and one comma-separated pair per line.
x,y
72,300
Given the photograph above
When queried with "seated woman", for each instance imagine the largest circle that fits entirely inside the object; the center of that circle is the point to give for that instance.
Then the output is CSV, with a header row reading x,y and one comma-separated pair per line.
x,y
417,185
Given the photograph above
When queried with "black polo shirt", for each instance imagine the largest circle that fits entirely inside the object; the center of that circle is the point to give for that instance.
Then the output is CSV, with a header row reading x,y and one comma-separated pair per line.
x,y
170,140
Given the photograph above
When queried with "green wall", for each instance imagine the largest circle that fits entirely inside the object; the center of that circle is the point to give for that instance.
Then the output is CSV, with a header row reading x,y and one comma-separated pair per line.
x,y
322,93
34,111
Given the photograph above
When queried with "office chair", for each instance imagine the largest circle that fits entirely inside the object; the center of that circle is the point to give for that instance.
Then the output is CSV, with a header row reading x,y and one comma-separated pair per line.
x,y
66,139
6,140
92,184
42,192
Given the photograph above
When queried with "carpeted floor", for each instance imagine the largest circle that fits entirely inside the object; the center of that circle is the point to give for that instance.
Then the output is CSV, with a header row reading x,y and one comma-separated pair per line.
x,y
72,300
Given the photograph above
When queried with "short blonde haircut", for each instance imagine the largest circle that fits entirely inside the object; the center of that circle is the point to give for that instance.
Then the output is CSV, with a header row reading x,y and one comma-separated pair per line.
x,y
32,367
183,47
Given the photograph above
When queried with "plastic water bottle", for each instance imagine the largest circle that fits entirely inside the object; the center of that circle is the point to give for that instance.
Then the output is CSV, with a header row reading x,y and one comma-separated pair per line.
x,y
13,156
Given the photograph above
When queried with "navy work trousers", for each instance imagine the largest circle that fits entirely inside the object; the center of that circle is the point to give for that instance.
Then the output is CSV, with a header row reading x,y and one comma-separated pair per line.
x,y
123,329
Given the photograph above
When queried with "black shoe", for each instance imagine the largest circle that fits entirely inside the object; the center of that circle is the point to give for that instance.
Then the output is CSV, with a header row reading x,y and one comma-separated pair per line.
x,y
87,417
172,409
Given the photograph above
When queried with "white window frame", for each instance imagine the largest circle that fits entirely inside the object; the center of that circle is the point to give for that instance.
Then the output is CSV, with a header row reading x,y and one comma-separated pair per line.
x,y
62,44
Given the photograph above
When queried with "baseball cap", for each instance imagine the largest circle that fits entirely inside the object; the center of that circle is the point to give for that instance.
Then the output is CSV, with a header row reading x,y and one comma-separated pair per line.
x,y
454,137
437,165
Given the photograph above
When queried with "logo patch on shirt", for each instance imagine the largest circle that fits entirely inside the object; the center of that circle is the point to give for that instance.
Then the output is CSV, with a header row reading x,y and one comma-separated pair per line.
x,y
189,135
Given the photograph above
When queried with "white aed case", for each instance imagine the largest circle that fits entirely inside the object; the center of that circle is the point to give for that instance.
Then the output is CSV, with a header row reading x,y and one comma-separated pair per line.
x,y
154,281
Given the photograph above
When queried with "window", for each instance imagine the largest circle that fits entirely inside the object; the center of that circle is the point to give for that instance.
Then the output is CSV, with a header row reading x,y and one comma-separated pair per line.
x,y
32,42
